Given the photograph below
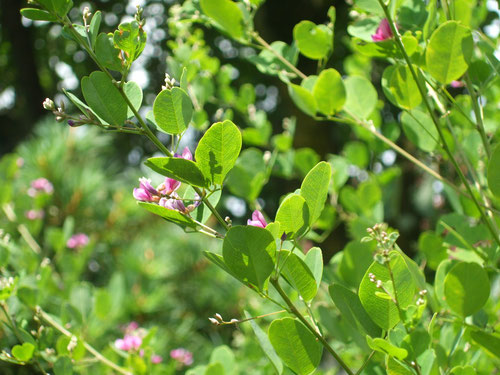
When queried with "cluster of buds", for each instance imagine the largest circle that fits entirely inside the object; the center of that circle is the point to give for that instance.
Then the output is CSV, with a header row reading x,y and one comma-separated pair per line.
x,y
421,297
385,241
72,343
7,285
373,279
169,82
182,356
61,115
59,112
138,16
165,194
86,17
217,320
40,185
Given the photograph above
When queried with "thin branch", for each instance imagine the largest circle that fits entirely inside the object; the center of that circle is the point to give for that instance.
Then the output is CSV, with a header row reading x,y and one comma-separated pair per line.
x,y
21,228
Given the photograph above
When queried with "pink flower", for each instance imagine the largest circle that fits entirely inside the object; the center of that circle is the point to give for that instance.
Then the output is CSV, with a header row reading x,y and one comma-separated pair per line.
x,y
34,214
456,84
257,220
132,326
155,358
145,192
173,203
383,32
169,186
78,240
129,342
40,185
186,154
182,356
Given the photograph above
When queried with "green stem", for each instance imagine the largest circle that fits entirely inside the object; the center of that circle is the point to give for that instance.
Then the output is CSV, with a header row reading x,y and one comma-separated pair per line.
x,y
435,120
12,325
365,363
48,319
297,313
268,47
479,115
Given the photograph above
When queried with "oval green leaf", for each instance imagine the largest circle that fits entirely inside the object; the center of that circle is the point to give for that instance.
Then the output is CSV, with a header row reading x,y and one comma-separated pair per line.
x,y
218,150
303,99
329,92
384,311
38,15
361,96
226,15
466,288
104,99
403,88
312,40
179,169
173,110
449,51
293,216
171,215
299,275
106,52
314,189
420,130
296,345
249,252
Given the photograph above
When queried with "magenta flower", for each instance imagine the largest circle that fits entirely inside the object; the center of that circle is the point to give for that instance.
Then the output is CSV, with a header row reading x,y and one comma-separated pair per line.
x,y
40,185
77,240
186,154
145,192
182,356
383,32
257,220
456,84
155,358
129,342
173,203
169,186
34,214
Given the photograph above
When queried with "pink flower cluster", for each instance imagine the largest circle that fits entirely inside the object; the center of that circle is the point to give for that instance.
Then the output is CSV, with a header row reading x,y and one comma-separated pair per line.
x,y
182,356
132,341
40,185
165,194
383,32
77,241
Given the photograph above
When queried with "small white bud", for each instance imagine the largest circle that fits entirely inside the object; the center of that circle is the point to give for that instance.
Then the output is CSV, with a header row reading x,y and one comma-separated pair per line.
x,y
214,321
219,317
234,320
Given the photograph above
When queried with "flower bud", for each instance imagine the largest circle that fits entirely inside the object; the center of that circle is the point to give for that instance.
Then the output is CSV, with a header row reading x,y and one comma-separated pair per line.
x,y
48,104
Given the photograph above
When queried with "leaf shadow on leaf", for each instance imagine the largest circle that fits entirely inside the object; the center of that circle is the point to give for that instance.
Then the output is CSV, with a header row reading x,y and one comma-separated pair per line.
x,y
215,167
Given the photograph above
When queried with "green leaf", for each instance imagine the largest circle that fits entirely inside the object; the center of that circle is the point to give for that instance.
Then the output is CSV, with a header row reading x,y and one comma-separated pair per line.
x,y
95,23
249,252
314,189
361,96
431,245
370,6
63,366
268,63
215,369
357,257
293,216
449,51
466,288
314,260
171,215
329,92
23,352
395,367
61,7
102,304
420,130
202,212
494,172
104,99
248,175
106,52
224,355
299,275
218,150
384,311
384,346
134,94
38,14
179,169
403,88
314,41
463,370
173,110
488,341
351,309
296,345
265,345
130,38
226,15
303,99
